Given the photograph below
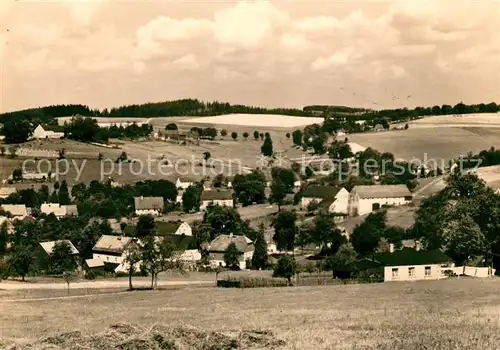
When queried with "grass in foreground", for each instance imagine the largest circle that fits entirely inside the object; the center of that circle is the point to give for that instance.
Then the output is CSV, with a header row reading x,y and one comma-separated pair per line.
x,y
451,314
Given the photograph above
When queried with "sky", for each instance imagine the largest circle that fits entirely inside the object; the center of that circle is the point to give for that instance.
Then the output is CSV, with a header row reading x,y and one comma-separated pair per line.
x,y
287,53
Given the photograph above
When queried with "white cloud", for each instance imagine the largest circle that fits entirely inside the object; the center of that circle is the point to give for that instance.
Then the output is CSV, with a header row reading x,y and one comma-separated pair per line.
x,y
339,58
188,62
412,50
294,41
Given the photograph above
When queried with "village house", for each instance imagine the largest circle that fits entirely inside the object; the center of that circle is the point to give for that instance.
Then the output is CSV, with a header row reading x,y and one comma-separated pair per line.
x,y
59,210
365,199
333,199
18,211
111,250
413,264
7,191
183,183
271,244
176,228
149,205
216,197
41,133
217,247
45,250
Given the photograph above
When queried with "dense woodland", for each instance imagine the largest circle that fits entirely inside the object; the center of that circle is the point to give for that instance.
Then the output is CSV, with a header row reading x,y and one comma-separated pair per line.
x,y
195,107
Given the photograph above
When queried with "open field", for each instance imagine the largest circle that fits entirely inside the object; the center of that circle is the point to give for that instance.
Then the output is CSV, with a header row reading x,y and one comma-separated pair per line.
x,y
479,119
258,120
452,314
434,143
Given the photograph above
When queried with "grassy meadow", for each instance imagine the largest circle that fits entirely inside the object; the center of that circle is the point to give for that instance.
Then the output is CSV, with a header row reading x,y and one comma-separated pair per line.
x,y
451,314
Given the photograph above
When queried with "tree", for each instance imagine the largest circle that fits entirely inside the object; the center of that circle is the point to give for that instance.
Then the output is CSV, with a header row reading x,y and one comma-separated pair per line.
x,y
297,137
366,236
17,174
288,135
267,147
278,193
16,130
63,194
84,130
158,255
206,156
259,258
232,256
219,220
2,151
21,260
191,198
261,135
62,153
466,240
326,234
223,133
62,259
234,135
4,237
285,268
406,126
256,135
145,226
286,176
171,126
285,230
343,260
132,258
250,188
245,135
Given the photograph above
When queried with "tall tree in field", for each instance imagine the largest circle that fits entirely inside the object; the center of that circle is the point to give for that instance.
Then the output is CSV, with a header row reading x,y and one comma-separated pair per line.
x,y
171,126
267,147
191,198
285,268
64,194
223,133
285,230
234,135
256,135
326,234
232,256
297,137
21,260
132,258
158,255
259,258
245,135
466,240
278,193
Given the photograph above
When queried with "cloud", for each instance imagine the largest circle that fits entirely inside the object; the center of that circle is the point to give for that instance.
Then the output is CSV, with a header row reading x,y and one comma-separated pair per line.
x,y
339,58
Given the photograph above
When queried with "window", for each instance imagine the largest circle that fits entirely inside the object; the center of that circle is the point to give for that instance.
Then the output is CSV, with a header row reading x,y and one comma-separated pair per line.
x,y
394,273
427,271
375,206
411,272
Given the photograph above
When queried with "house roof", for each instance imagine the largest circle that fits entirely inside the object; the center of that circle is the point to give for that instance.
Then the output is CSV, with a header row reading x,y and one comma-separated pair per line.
x,y
181,242
112,244
410,256
15,209
221,242
49,246
146,203
168,227
71,210
216,195
54,208
321,192
7,191
382,191
94,262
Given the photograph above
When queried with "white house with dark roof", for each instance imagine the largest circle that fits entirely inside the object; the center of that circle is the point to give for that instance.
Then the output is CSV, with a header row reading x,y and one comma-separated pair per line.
x,y
365,199
112,250
41,133
18,211
177,228
216,197
183,183
49,246
217,247
149,205
334,199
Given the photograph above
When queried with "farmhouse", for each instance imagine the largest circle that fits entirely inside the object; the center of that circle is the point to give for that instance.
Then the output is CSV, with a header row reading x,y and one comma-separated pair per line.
x,y
218,197
18,211
335,199
112,250
148,205
413,264
59,210
217,247
41,133
183,183
365,199
176,228
7,191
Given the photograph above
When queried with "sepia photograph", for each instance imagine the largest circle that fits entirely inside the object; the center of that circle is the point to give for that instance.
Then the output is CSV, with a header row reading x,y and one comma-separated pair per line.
x,y
249,174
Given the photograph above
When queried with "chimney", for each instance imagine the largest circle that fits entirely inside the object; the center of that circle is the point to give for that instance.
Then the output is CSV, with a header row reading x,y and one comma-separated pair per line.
x,y
391,247
417,246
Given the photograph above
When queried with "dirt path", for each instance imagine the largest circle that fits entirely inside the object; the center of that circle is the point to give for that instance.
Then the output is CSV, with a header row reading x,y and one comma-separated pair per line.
x,y
97,284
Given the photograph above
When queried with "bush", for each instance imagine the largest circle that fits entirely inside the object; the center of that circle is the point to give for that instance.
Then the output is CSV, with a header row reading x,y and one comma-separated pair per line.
x,y
229,283
90,275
